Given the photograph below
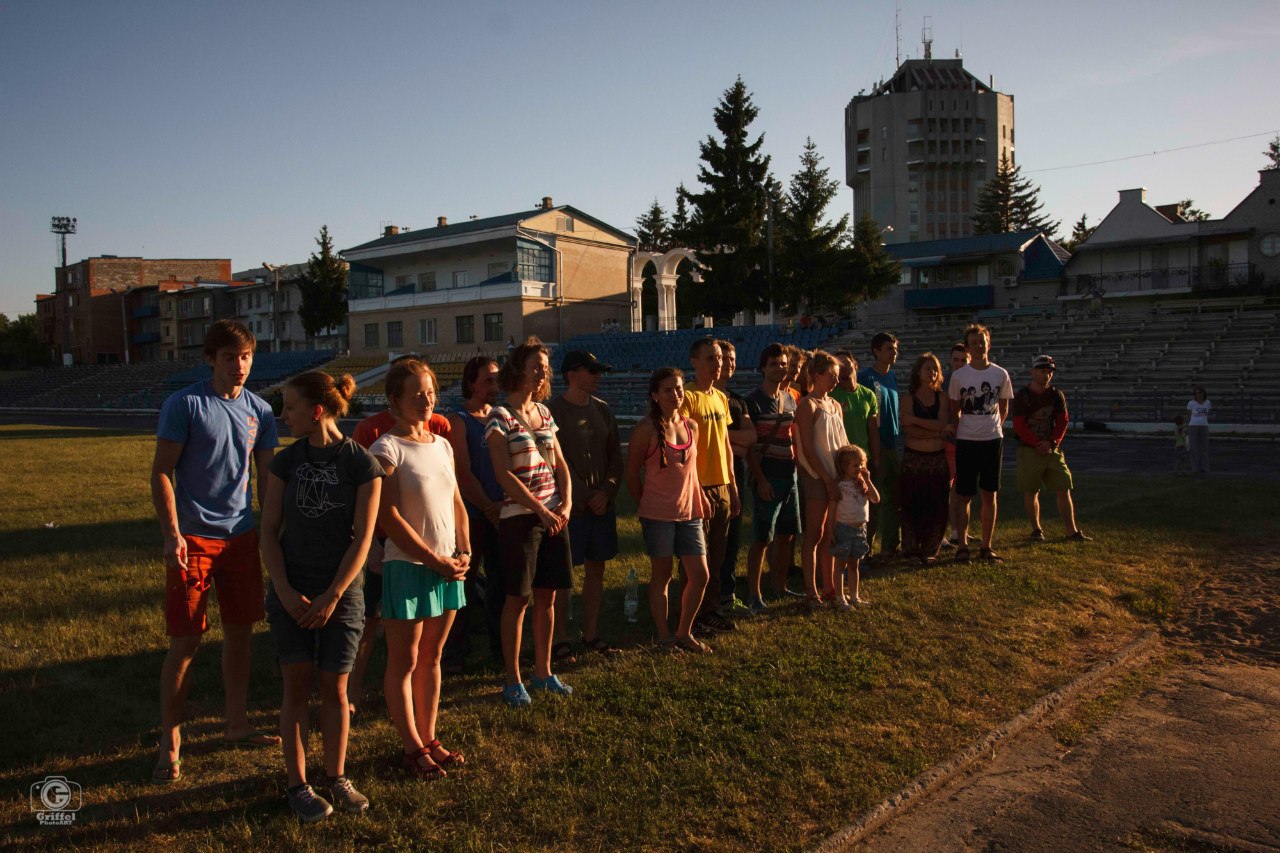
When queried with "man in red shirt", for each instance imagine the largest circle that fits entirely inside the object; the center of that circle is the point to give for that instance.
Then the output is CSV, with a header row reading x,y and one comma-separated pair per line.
x,y
1040,422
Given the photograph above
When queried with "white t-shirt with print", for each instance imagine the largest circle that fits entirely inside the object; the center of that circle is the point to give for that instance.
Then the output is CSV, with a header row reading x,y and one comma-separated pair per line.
x,y
852,508
1199,412
979,393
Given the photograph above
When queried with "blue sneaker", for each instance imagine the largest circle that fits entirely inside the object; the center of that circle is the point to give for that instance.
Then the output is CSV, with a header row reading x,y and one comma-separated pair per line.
x,y
551,684
516,696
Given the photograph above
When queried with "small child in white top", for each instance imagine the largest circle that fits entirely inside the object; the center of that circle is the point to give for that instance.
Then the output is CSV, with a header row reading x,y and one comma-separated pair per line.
x,y
848,542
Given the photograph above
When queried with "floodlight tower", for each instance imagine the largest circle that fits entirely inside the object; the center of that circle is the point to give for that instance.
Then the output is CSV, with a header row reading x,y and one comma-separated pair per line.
x,y
62,226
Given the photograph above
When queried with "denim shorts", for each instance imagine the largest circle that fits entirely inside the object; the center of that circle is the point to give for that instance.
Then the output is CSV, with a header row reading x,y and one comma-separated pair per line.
x,y
780,516
331,648
593,537
850,542
673,538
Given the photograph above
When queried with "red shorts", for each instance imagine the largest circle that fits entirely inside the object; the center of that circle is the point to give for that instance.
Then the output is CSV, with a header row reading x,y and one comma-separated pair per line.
x,y
233,566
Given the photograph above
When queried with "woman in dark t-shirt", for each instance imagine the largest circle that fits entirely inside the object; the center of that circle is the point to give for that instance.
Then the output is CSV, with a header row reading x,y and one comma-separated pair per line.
x,y
317,523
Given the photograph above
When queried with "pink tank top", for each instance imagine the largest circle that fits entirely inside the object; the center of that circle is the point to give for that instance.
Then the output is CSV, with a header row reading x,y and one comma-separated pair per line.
x,y
671,480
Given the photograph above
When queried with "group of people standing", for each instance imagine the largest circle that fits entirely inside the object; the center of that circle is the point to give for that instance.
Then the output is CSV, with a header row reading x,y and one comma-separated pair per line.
x,y
524,487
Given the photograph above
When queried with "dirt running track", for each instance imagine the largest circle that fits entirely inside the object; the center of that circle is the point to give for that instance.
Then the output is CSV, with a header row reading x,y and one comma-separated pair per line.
x,y
1191,765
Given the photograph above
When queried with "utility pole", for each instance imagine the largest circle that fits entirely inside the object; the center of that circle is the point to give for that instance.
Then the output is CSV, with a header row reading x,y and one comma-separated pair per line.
x,y
275,306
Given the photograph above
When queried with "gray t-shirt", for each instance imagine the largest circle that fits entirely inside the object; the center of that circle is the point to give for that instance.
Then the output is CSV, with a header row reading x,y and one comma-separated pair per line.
x,y
591,445
320,507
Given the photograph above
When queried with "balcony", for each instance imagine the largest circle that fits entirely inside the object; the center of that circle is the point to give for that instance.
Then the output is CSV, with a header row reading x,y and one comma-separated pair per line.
x,y
978,296
144,311
456,295
146,338
1206,277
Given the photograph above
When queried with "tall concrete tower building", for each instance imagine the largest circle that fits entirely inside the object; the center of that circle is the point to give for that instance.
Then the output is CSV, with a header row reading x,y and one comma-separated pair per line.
x,y
920,146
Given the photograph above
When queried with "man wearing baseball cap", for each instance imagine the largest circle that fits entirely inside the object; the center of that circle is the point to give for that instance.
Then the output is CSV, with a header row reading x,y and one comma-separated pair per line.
x,y
1040,422
591,446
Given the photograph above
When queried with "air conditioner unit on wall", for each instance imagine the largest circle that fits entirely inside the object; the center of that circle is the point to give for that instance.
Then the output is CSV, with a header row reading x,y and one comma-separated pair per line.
x,y
1010,281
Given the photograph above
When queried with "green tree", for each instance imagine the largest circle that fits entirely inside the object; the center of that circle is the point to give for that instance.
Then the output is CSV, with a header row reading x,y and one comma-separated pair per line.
x,y
1010,202
1079,233
324,288
726,227
679,228
1191,213
20,346
652,229
810,249
870,270
1273,153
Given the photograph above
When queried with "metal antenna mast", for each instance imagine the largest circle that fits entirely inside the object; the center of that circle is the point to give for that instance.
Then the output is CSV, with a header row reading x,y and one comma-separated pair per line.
x,y
897,35
926,37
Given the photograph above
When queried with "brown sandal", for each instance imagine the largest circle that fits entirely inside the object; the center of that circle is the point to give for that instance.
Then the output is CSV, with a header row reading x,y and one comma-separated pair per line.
x,y
453,759
412,762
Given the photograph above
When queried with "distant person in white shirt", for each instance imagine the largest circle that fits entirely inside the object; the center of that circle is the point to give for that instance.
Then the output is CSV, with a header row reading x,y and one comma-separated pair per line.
x,y
1198,407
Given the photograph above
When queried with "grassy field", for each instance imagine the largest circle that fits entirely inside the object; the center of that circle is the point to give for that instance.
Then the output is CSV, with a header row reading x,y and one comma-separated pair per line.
x,y
795,724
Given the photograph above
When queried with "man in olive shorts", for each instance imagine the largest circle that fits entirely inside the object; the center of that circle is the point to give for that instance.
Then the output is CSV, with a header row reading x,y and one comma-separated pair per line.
x,y
1040,422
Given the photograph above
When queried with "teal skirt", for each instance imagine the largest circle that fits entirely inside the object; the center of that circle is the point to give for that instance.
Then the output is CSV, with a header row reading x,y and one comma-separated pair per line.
x,y
412,591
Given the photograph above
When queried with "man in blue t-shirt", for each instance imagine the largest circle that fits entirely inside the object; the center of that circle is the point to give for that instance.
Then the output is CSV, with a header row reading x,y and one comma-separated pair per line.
x,y
885,529
208,437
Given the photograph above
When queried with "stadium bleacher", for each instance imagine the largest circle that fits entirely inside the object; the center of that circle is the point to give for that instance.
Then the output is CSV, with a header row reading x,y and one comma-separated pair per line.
x,y
1120,363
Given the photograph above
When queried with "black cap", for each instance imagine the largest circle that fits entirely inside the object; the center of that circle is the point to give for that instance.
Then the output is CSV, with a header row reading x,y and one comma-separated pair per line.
x,y
577,358
1044,361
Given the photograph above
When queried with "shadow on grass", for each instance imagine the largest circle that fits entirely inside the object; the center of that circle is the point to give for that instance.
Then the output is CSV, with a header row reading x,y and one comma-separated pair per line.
x,y
82,538
52,713
71,432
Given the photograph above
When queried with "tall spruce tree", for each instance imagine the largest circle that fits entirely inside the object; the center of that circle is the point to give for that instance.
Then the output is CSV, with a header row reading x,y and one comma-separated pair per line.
x,y
726,228
810,249
652,230
870,270
1079,233
679,228
1010,202
324,288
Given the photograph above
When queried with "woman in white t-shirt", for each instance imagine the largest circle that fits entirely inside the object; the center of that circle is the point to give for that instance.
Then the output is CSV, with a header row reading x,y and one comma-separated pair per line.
x,y
1198,407
427,555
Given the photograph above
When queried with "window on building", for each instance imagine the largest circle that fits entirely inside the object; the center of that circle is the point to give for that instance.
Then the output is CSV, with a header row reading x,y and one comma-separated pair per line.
x,y
884,154
284,328
884,131
493,327
460,278
371,335
465,329
533,262
564,223
496,268
426,282
427,331
395,333
913,127
403,281
864,136
964,275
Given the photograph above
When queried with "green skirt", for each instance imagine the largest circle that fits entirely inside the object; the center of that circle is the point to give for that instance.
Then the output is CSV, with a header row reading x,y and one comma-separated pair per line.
x,y
413,591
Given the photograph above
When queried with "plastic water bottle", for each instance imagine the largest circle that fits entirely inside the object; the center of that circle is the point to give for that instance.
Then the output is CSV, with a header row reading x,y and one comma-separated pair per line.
x,y
631,604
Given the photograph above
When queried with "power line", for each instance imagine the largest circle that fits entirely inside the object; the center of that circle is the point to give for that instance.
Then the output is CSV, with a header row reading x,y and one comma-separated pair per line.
x,y
1154,153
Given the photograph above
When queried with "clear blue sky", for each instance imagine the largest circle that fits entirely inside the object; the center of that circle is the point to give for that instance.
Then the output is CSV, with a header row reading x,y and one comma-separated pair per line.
x,y
236,129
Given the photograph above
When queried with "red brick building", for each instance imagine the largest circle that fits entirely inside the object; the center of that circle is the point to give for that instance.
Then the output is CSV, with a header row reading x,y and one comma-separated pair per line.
x,y
105,309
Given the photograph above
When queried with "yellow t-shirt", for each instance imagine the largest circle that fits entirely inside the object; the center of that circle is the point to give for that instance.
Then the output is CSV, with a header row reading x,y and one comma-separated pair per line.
x,y
710,411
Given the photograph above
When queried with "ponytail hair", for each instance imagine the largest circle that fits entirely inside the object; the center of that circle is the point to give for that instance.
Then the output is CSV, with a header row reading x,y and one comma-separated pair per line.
x,y
320,389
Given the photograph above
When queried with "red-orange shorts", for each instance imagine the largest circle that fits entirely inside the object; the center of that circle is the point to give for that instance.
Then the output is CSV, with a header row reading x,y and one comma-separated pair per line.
x,y
230,565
